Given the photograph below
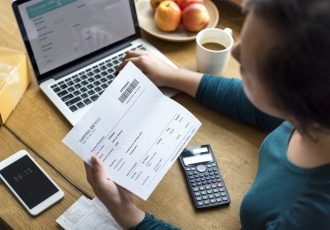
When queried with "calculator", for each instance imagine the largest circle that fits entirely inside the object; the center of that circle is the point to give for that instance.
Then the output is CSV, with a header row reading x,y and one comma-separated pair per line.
x,y
203,177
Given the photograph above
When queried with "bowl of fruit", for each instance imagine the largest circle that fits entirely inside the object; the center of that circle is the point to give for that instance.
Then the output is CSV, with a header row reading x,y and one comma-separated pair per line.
x,y
176,20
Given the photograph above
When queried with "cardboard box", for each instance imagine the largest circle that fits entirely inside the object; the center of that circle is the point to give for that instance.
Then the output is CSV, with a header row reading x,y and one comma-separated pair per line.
x,y
14,79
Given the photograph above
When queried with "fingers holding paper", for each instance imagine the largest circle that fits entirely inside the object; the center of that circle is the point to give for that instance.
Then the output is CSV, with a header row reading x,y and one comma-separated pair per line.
x,y
118,200
163,74
105,189
159,72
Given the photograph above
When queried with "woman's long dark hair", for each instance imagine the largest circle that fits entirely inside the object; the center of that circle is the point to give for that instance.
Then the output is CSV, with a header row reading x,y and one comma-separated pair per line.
x,y
297,67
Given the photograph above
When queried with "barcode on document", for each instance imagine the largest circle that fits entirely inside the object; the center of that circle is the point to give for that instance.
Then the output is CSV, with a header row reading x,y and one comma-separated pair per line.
x,y
128,91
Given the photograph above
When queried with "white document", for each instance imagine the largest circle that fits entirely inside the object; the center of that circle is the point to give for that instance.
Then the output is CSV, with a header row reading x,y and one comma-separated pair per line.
x,y
85,214
135,130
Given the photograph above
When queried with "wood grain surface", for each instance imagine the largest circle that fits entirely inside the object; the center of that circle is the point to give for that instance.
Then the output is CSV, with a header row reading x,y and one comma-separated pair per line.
x,y
38,124
12,211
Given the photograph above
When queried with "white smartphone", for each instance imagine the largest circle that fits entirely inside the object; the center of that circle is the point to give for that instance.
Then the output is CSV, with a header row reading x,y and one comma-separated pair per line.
x,y
29,182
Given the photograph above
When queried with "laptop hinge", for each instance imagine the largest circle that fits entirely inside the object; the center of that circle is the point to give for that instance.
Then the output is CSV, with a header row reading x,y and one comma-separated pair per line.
x,y
87,62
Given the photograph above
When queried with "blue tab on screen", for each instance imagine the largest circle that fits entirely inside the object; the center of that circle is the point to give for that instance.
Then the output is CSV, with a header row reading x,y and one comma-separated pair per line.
x,y
45,6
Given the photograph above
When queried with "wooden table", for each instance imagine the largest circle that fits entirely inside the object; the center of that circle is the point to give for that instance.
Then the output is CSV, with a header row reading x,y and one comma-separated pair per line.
x,y
36,125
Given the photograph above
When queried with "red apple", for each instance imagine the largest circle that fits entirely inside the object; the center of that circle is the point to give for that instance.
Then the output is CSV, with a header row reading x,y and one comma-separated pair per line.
x,y
168,16
184,3
195,17
155,3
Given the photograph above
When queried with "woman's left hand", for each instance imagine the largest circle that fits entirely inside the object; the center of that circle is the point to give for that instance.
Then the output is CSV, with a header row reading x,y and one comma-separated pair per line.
x,y
115,198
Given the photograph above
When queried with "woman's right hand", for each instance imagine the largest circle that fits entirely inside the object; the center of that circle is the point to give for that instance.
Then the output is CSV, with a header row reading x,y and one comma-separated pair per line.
x,y
162,73
158,71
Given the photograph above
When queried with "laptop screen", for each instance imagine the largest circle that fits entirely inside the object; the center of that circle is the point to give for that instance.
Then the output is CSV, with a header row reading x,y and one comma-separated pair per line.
x,y
61,31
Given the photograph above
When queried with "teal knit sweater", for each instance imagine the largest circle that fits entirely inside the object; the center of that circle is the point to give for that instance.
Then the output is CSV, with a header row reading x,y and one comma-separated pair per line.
x,y
283,195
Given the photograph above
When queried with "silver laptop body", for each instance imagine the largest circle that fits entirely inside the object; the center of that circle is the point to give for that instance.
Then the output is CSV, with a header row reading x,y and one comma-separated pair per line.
x,y
75,45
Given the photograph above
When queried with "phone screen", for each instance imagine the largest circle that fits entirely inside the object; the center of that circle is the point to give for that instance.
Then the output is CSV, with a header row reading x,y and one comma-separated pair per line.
x,y
28,181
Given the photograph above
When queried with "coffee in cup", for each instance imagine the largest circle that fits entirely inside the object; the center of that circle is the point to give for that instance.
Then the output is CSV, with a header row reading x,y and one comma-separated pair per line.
x,y
213,46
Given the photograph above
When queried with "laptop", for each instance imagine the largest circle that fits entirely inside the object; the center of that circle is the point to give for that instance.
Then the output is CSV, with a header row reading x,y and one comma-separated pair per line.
x,y
75,47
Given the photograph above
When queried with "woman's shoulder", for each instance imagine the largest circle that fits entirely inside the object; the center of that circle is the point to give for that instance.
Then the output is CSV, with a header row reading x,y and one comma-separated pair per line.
x,y
311,209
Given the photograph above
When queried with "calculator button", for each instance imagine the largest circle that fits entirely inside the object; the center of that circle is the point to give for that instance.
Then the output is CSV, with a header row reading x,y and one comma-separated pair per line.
x,y
214,185
219,185
221,189
195,189
209,181
190,173
199,183
197,193
207,186
200,203
217,195
203,192
204,182
218,200
211,196
216,190
223,194
209,191
199,198
201,168
205,197
206,202
188,169
224,198
209,166
212,200
213,164
194,184
201,188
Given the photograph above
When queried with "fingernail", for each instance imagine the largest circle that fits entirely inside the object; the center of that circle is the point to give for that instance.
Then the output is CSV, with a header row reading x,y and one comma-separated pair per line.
x,y
94,158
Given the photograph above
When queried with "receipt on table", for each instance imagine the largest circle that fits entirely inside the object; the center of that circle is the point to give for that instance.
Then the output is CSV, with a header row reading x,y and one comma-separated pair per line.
x,y
85,214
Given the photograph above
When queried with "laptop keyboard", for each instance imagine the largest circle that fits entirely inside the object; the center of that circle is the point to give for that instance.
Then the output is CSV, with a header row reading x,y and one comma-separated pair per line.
x,y
86,86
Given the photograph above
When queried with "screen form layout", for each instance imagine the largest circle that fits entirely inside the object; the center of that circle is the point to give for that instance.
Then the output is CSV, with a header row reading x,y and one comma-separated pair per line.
x,y
61,31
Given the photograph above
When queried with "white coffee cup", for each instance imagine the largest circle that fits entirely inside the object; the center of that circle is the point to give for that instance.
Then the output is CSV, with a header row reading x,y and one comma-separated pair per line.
x,y
210,60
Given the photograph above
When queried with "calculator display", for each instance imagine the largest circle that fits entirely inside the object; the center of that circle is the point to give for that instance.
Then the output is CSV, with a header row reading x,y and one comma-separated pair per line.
x,y
201,158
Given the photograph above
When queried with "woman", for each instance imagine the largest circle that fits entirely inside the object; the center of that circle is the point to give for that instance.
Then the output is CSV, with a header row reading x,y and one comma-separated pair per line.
x,y
286,91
